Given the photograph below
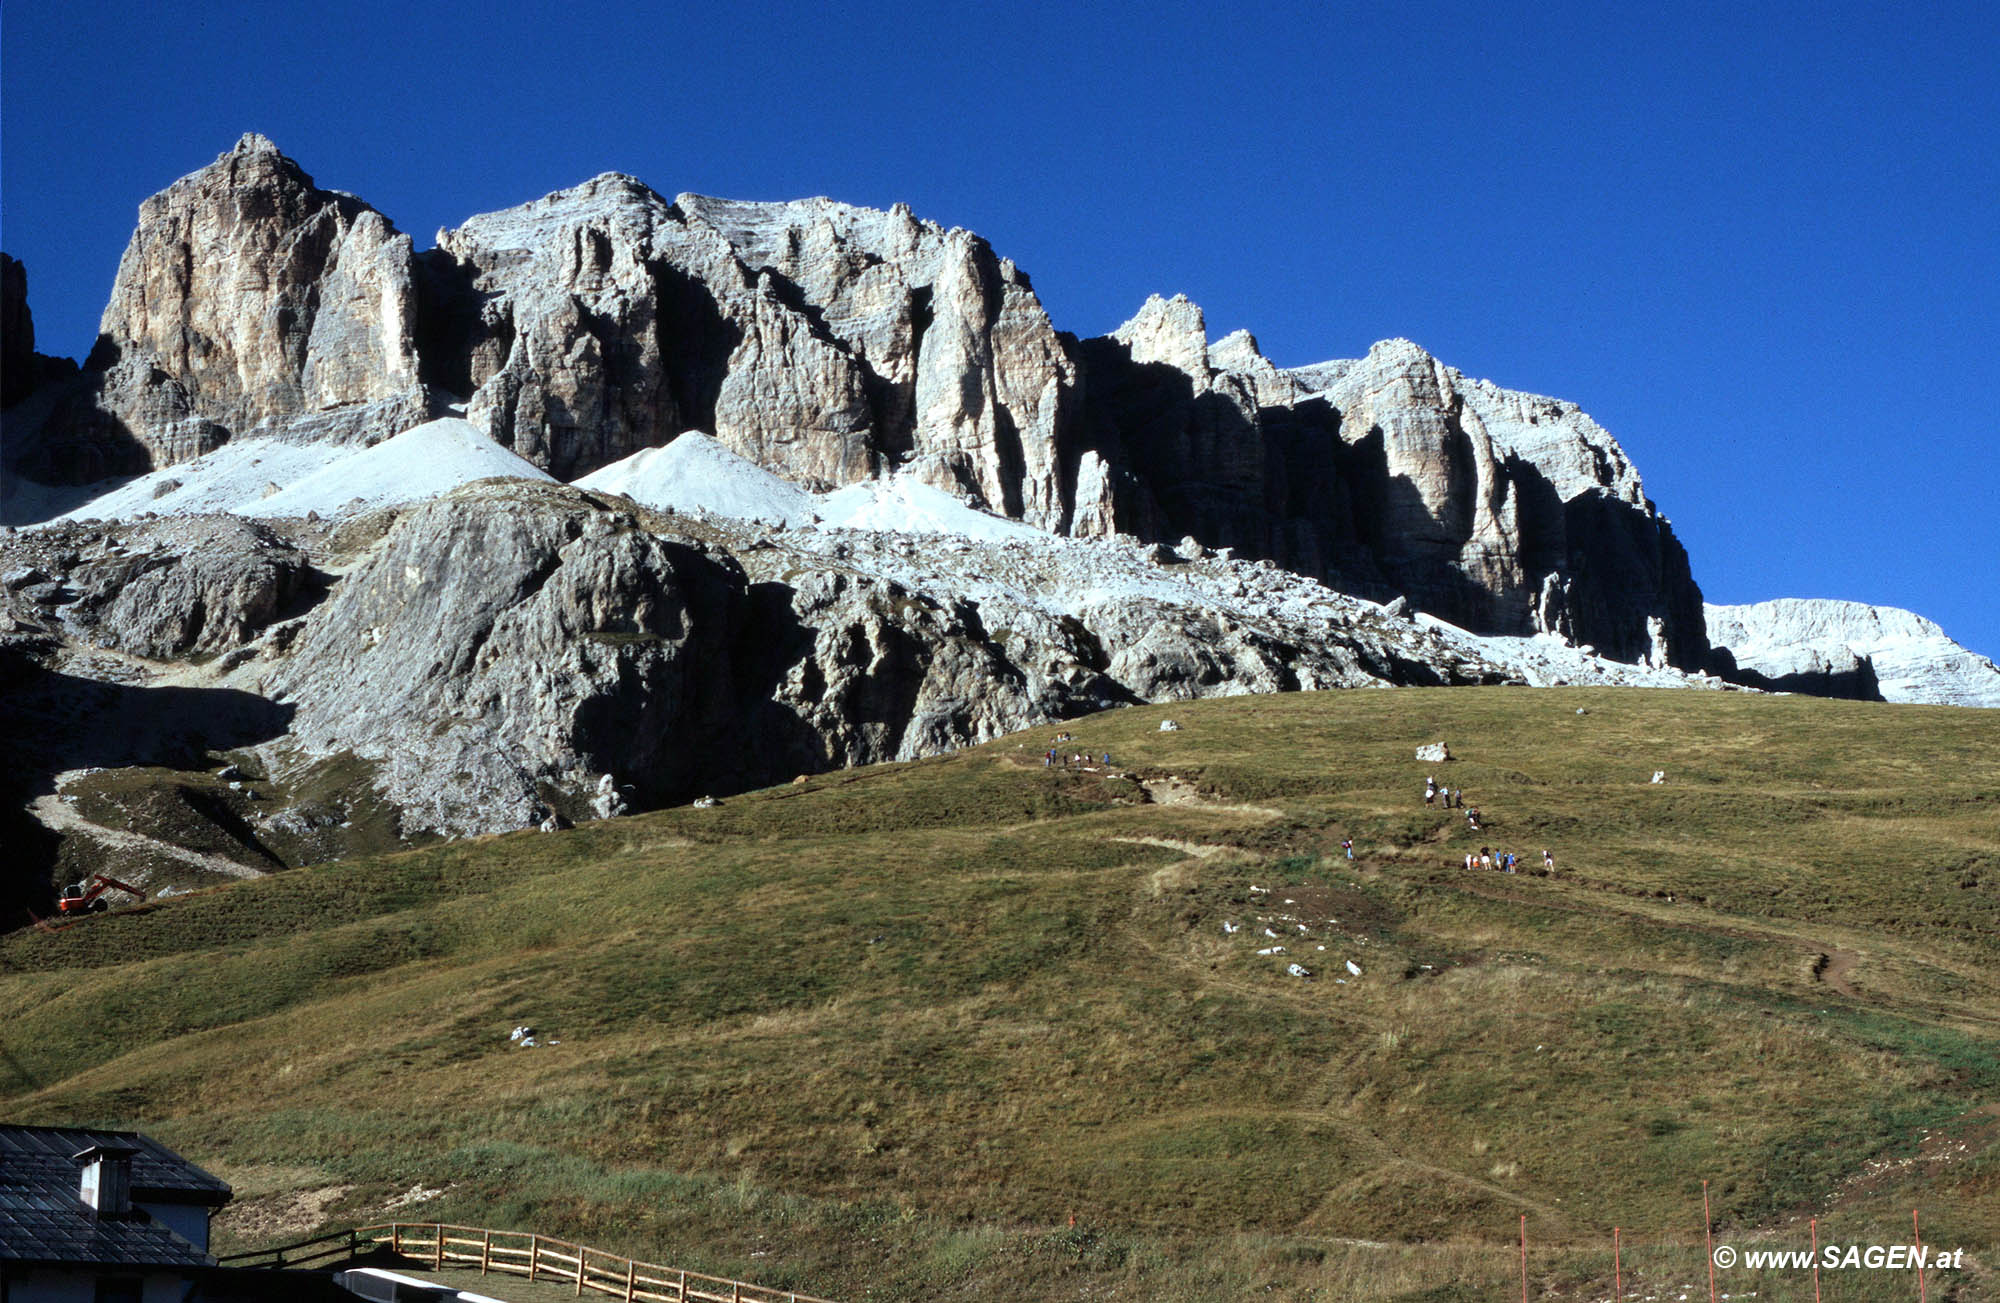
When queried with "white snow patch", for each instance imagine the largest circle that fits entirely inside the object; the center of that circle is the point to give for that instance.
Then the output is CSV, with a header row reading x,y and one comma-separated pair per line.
x,y
908,506
697,473
234,477
431,459
422,462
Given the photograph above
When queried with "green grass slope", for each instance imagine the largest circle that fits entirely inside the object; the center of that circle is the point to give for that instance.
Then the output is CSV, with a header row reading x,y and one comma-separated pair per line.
x,y
971,1028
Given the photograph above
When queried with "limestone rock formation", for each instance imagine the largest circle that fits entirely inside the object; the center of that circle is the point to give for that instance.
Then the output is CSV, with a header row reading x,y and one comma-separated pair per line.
x,y
247,297
17,333
833,344
1389,474
823,341
1848,649
163,589
553,321
505,647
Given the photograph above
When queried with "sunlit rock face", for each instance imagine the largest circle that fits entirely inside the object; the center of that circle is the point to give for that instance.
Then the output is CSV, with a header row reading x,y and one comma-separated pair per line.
x,y
835,344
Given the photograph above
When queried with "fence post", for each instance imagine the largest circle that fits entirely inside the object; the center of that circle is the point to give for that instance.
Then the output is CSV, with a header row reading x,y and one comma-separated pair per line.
x,y
581,1254
534,1256
485,1250
631,1278
681,1297
396,1238
735,1291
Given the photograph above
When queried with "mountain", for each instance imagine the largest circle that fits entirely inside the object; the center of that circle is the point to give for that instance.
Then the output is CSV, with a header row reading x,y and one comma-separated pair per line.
x,y
1848,649
610,501
832,345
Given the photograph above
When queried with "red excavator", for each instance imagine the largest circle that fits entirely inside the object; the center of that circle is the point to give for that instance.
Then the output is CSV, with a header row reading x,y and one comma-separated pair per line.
x,y
87,897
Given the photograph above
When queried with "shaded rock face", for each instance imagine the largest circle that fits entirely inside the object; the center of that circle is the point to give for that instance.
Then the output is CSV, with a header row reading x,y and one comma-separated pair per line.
x,y
832,344
164,589
23,371
1387,475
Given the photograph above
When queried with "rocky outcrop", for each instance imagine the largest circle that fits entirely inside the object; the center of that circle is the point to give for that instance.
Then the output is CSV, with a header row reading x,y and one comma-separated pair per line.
x,y
1386,475
1848,649
22,369
17,333
834,344
825,342
505,647
248,297
161,589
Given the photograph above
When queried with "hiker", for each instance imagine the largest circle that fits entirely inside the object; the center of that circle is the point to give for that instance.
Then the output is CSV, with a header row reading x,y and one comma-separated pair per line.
x,y
1430,789
1548,862
1468,861
1348,846
1107,757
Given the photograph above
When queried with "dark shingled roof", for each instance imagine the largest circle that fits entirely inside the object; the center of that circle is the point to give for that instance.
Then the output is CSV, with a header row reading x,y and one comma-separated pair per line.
x,y
44,1219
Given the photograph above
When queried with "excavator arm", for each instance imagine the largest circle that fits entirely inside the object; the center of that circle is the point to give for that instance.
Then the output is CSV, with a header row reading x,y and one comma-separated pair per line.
x,y
79,898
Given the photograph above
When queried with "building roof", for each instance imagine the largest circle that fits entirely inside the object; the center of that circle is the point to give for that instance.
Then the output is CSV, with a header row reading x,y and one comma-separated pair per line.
x,y
43,1217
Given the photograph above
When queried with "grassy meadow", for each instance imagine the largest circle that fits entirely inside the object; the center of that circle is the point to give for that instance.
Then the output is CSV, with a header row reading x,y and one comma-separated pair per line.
x,y
973,1028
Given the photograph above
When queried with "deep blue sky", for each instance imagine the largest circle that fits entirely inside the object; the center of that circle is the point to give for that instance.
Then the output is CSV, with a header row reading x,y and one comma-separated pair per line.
x,y
1761,244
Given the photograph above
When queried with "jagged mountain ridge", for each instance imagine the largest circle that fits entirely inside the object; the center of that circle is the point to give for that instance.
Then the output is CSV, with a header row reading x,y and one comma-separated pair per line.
x,y
833,344
1848,649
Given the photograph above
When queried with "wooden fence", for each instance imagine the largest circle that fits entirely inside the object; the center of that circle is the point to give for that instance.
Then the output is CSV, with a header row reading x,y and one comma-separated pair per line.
x,y
540,1258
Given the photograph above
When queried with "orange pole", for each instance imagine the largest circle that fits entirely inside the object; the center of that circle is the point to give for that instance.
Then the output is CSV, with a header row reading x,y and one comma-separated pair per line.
x,y
1920,1254
1815,1235
1708,1237
1617,1270
1524,1258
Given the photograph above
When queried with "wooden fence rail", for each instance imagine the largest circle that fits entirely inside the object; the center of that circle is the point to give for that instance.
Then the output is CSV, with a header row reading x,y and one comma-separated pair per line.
x,y
301,1253
538,1257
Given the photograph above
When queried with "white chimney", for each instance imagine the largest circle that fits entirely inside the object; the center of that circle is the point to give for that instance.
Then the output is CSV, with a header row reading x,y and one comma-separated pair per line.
x,y
107,1179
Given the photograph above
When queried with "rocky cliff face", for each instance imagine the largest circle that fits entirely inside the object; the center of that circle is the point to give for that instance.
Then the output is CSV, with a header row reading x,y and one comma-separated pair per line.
x,y
249,300
834,344
1390,474
1848,649
22,369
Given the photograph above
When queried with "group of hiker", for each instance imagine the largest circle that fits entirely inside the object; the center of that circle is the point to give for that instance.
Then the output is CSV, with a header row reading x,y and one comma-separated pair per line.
x,y
1485,857
1055,757
1452,797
